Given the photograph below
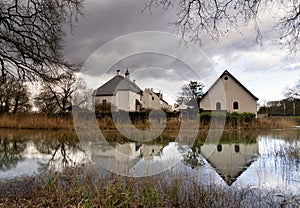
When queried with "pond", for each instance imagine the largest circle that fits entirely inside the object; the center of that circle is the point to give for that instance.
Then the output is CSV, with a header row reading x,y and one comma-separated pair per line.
x,y
269,160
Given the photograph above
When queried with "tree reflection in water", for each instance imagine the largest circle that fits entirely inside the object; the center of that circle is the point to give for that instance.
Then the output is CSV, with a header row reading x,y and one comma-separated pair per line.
x,y
59,147
11,151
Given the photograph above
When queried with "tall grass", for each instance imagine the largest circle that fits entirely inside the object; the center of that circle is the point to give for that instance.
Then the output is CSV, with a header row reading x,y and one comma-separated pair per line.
x,y
275,122
73,189
34,121
233,121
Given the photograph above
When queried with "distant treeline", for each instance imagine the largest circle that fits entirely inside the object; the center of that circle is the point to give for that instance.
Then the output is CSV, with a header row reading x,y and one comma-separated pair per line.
x,y
285,107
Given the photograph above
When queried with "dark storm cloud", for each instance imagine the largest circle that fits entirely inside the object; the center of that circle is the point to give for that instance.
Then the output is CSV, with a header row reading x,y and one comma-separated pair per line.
x,y
155,65
110,19
149,50
107,20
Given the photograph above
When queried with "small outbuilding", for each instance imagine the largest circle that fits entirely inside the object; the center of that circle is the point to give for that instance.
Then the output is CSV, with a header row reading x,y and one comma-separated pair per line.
x,y
154,100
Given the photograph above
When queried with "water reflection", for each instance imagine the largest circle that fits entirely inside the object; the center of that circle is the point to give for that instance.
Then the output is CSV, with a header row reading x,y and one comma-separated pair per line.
x,y
125,158
25,152
230,160
11,152
270,159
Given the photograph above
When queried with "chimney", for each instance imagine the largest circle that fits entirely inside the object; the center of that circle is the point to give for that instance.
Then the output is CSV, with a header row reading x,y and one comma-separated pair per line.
x,y
127,73
118,72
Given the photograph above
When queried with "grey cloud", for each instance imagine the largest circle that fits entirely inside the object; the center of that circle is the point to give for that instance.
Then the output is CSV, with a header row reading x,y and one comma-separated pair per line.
x,y
150,51
153,65
107,20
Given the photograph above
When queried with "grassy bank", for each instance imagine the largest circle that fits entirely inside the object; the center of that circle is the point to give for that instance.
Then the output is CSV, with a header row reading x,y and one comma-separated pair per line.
x,y
233,121
73,189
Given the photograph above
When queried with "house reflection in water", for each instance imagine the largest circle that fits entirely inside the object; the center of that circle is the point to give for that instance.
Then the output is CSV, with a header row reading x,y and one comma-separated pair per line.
x,y
123,157
230,160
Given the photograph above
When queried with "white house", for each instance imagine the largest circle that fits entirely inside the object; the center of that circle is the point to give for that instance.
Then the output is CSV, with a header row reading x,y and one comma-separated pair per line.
x,y
153,100
124,94
121,92
228,94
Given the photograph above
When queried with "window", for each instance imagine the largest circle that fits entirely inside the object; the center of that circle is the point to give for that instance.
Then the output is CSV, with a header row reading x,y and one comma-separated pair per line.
x,y
218,106
235,105
236,148
104,102
152,98
226,78
219,147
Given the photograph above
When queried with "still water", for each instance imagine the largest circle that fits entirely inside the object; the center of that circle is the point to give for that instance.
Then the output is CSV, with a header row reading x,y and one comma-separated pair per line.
x,y
269,160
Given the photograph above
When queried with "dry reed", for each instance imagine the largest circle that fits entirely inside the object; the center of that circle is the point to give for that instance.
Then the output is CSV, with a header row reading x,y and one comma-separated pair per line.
x,y
77,188
35,121
41,121
275,122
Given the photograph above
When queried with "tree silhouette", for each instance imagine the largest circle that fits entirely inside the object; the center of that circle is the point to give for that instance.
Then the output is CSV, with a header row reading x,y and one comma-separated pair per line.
x,y
14,97
215,18
190,92
31,37
56,96
293,92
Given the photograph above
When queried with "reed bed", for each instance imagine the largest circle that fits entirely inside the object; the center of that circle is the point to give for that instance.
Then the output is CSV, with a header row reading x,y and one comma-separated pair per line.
x,y
275,122
76,188
41,121
34,121
175,124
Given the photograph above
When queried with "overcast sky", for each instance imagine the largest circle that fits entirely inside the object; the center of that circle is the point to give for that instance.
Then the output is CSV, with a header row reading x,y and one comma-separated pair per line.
x,y
265,70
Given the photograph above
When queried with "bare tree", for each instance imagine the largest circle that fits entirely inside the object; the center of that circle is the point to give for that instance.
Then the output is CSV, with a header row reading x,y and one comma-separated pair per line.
x,y
217,17
31,37
190,92
57,96
14,97
82,97
46,103
293,93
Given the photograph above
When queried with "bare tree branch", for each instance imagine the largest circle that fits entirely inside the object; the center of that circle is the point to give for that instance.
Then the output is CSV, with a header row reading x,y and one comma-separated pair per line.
x,y
215,18
31,36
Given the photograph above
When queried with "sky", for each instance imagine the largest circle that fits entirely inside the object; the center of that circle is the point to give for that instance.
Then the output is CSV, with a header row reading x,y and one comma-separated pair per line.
x,y
112,36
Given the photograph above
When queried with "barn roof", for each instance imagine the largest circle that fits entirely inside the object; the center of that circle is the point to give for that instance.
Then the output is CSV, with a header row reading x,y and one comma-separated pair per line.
x,y
117,83
237,81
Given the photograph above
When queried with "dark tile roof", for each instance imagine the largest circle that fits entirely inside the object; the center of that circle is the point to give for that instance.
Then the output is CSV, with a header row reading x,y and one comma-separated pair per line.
x,y
117,83
240,84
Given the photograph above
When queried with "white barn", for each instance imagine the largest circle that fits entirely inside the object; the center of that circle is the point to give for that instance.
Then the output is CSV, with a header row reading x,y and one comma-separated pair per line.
x,y
228,94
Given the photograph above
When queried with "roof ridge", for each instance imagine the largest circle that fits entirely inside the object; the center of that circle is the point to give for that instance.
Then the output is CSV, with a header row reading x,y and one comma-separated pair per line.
x,y
118,82
226,72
